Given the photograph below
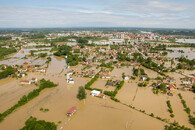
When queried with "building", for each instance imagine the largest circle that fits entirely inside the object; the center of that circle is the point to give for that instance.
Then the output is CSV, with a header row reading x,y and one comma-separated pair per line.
x,y
116,41
101,95
172,87
25,82
95,93
34,80
144,77
127,77
41,70
70,80
71,111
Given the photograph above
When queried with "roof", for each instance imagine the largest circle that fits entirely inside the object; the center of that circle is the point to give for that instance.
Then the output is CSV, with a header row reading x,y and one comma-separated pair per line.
x,y
95,91
172,86
71,110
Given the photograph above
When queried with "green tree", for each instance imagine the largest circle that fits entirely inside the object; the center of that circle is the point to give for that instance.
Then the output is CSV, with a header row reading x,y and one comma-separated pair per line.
x,y
34,124
81,93
123,75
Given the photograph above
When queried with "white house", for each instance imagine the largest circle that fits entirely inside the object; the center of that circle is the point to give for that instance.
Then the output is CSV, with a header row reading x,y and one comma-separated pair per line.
x,y
127,77
70,80
143,77
41,70
95,93
186,82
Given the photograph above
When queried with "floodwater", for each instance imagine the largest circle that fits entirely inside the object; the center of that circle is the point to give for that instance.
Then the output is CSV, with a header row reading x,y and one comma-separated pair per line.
x,y
11,91
100,83
24,52
144,99
57,66
151,73
189,52
116,74
177,77
92,113
18,58
186,40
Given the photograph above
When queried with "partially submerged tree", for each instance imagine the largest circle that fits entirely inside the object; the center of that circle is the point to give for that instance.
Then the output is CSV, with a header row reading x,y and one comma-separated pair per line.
x,y
81,93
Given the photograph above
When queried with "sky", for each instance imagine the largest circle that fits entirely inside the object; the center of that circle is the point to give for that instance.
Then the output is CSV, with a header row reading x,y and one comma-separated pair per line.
x,y
97,13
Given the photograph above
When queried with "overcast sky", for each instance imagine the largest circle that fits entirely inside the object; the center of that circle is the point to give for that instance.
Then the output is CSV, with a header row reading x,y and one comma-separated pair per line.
x,y
97,13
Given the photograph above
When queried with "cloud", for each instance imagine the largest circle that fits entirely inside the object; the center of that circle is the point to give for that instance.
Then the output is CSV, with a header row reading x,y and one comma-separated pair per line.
x,y
125,13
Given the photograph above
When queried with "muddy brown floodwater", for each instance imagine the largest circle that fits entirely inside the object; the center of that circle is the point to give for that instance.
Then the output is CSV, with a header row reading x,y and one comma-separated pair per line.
x,y
92,113
11,92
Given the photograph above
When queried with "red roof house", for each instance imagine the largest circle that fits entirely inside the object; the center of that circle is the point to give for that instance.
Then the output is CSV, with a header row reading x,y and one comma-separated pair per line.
x,y
71,111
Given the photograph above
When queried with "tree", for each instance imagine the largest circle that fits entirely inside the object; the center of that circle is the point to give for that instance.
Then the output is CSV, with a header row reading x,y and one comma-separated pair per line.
x,y
8,71
123,75
81,93
172,61
164,53
135,72
193,88
34,124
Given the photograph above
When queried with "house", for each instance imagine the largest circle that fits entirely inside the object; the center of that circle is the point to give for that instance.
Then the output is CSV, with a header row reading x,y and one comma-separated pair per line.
x,y
172,87
31,67
101,95
193,80
77,71
24,69
22,74
143,77
158,83
34,80
188,86
71,111
41,70
186,82
113,83
167,85
106,76
95,93
70,80
171,80
25,63
25,82
127,77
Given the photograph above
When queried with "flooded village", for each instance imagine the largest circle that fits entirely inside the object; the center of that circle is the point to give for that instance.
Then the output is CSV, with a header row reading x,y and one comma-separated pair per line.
x,y
129,79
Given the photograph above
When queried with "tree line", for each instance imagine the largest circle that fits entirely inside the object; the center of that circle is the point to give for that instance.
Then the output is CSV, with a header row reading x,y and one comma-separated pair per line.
x,y
5,38
8,71
6,51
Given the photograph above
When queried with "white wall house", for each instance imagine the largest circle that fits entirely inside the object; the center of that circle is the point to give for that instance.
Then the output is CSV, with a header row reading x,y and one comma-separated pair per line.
x,y
95,93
